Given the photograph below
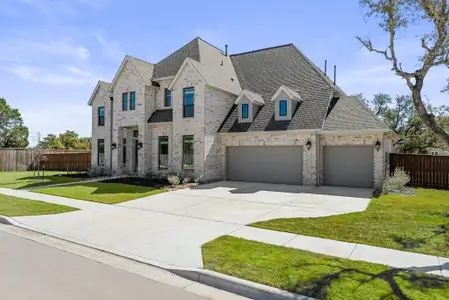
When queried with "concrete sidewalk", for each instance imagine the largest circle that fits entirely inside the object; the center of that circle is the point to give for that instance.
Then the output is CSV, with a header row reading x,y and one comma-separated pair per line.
x,y
393,258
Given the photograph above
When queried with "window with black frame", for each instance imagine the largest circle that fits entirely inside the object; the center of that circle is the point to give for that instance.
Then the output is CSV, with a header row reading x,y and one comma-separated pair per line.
x,y
163,152
188,102
100,152
187,151
124,152
101,116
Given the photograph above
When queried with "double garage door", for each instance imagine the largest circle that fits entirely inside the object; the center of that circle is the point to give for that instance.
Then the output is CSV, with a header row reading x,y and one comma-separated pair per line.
x,y
351,166
271,164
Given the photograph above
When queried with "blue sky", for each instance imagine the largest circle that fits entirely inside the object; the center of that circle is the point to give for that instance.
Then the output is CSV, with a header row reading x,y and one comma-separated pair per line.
x,y
52,52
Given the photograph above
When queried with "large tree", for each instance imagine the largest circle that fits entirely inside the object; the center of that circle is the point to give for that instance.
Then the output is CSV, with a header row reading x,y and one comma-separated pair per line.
x,y
68,140
397,15
13,134
401,117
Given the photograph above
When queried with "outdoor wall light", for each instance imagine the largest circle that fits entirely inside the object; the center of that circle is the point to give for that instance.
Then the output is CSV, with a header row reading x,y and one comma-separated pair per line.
x,y
308,144
113,146
139,145
377,145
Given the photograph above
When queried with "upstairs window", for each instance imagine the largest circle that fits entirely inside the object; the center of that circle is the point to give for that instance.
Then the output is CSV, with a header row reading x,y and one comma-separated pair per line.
x,y
132,103
245,109
283,108
125,101
188,102
101,116
167,100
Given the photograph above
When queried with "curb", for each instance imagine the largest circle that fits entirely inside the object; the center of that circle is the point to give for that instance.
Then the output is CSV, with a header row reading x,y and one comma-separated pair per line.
x,y
220,281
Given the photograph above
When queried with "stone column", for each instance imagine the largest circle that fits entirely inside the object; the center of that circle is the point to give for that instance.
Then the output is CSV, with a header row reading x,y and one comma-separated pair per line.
x,y
309,161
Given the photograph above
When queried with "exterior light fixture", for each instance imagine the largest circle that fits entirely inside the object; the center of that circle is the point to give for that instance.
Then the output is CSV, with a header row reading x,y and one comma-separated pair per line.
x,y
308,144
139,145
377,145
113,146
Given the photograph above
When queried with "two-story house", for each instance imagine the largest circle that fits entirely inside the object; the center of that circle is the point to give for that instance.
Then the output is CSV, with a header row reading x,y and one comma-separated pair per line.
x,y
268,115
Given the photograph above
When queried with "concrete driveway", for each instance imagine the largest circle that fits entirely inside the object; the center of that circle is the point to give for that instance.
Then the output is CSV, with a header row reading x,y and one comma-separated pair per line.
x,y
171,227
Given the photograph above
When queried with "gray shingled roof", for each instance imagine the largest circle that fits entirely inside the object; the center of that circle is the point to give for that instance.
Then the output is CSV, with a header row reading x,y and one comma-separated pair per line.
x,y
162,115
170,65
349,113
264,71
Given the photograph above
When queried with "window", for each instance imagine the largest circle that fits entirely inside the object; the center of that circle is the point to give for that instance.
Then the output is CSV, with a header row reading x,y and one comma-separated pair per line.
x,y
187,152
101,116
167,101
189,95
136,133
283,107
125,101
245,108
124,152
132,103
163,152
100,154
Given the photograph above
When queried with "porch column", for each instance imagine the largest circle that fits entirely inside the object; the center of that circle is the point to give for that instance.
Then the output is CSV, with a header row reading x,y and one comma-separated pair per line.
x,y
310,161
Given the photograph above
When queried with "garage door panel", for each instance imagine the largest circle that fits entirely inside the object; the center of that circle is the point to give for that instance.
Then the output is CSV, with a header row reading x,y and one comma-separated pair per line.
x,y
272,164
349,166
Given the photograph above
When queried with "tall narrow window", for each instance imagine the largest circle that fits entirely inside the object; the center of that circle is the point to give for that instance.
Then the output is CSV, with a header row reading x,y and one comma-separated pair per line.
x,y
187,152
283,108
100,152
163,152
167,101
132,102
101,116
125,101
124,152
245,109
188,103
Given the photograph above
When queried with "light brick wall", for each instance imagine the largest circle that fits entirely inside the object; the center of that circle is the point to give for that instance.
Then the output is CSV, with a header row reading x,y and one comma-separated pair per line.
x,y
275,139
160,95
357,140
101,132
218,105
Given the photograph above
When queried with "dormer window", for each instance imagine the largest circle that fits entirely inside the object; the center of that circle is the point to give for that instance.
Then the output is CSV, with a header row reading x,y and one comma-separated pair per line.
x,y
283,108
285,101
245,111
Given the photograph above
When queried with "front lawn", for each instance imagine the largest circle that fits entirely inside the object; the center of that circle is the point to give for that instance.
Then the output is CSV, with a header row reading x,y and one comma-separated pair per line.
x,y
12,207
109,193
316,275
411,223
18,180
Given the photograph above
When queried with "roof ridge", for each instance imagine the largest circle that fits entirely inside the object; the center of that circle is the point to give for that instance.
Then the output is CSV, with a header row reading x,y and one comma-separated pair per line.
x,y
263,49
369,110
195,39
199,38
130,56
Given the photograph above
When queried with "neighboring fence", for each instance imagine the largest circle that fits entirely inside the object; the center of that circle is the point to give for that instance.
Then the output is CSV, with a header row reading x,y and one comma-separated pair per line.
x,y
425,170
58,160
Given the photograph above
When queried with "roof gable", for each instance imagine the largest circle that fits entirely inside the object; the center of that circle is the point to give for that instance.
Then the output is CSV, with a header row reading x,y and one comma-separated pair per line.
x,y
252,97
145,70
290,93
100,85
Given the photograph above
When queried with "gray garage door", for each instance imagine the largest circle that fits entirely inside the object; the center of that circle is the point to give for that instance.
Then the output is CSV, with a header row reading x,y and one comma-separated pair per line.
x,y
270,164
348,166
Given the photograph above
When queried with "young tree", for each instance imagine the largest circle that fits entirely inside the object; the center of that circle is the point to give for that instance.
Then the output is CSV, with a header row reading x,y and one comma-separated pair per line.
x,y
395,15
13,134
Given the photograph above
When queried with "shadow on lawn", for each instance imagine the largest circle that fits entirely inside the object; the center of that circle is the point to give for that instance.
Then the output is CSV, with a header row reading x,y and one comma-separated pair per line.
x,y
319,287
413,243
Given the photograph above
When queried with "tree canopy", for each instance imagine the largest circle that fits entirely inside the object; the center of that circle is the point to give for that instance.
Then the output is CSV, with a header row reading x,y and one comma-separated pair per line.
x,y
69,140
13,134
397,15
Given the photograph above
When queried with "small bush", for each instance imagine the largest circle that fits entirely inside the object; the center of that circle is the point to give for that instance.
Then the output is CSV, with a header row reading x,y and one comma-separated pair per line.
x,y
100,171
396,182
174,179
187,179
201,180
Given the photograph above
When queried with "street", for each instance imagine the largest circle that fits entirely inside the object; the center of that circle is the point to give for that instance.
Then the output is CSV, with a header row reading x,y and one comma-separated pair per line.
x,y
30,270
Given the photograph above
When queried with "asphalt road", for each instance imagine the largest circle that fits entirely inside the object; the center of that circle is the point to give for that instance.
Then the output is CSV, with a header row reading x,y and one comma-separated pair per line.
x,y
30,270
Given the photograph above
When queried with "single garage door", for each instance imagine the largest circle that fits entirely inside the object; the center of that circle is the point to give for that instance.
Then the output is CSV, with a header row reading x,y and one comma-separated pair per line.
x,y
272,164
351,166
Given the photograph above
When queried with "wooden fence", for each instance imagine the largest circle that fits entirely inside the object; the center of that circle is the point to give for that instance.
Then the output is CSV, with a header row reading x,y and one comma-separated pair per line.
x,y
425,170
58,160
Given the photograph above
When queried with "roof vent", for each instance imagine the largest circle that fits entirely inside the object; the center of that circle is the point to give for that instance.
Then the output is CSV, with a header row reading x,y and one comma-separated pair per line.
x,y
335,74
221,63
226,50
325,67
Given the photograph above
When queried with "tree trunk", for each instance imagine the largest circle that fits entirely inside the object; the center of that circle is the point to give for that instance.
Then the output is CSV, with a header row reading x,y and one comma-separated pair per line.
x,y
428,119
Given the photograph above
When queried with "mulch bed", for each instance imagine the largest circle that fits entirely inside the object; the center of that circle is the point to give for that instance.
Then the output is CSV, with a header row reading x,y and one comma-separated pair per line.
x,y
157,184
75,175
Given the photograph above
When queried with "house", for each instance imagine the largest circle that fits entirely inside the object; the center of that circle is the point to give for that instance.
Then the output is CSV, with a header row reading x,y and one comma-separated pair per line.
x,y
267,115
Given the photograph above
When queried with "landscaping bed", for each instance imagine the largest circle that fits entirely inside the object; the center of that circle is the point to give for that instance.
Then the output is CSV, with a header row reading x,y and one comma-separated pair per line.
x,y
316,275
82,176
160,183
12,207
417,223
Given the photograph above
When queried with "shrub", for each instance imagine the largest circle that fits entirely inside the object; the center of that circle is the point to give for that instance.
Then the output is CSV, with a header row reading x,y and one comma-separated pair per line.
x,y
100,171
174,179
396,182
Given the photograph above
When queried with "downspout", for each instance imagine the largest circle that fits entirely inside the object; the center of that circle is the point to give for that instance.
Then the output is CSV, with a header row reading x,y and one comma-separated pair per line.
x,y
110,130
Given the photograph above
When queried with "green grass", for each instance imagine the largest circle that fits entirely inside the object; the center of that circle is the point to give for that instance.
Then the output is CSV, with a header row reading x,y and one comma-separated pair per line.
x,y
18,180
109,193
316,275
411,223
12,207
